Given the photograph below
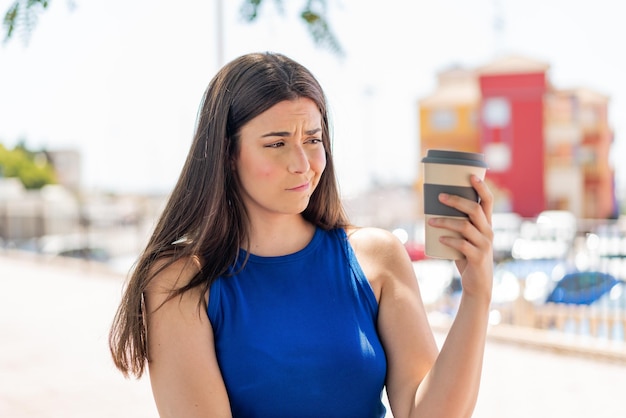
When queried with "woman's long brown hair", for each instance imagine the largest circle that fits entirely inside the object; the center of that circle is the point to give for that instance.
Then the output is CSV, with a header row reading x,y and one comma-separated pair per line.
x,y
204,217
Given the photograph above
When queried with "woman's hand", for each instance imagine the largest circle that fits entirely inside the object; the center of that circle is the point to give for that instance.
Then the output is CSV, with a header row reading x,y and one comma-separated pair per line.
x,y
476,242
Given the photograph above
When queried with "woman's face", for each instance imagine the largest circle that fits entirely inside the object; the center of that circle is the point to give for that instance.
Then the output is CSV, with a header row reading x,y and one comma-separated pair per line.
x,y
281,158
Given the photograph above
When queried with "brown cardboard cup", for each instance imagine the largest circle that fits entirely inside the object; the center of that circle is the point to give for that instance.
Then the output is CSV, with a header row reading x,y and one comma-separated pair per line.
x,y
447,172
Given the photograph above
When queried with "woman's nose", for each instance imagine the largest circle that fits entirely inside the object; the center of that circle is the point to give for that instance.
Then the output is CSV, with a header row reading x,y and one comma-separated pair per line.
x,y
298,160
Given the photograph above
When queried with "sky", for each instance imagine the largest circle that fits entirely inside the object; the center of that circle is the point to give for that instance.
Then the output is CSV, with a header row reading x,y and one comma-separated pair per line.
x,y
121,81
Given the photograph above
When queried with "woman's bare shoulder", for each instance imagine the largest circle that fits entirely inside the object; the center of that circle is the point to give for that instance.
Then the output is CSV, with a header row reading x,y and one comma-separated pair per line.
x,y
373,240
168,275
381,255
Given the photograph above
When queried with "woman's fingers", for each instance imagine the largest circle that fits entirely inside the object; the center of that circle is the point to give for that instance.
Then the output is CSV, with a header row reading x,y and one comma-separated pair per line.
x,y
485,196
471,239
479,212
476,229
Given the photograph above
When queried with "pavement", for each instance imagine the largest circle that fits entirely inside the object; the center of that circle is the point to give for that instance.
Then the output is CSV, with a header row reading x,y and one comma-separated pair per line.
x,y
54,361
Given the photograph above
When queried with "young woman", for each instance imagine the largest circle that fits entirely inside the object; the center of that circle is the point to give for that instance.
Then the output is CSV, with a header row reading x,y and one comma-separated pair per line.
x,y
255,297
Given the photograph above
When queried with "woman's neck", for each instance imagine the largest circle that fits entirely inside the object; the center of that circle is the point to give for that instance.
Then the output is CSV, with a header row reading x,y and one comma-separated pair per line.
x,y
280,236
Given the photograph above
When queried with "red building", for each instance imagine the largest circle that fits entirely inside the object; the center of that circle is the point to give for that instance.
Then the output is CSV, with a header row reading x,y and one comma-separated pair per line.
x,y
511,126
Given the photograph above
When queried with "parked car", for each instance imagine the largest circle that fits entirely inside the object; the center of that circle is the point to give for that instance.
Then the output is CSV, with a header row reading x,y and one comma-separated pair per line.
x,y
86,253
583,288
539,278
73,246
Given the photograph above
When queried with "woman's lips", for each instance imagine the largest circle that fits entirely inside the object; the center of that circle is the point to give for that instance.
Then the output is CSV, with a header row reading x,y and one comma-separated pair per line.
x,y
300,188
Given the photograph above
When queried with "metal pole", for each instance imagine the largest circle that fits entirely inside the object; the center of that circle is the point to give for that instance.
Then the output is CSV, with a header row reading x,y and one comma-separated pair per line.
x,y
220,33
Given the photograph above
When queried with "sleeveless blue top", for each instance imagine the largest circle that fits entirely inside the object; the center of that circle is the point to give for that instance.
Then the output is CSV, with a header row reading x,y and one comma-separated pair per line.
x,y
295,335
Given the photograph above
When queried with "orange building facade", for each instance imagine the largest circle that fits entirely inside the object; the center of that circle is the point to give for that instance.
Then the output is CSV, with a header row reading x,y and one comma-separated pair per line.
x,y
547,148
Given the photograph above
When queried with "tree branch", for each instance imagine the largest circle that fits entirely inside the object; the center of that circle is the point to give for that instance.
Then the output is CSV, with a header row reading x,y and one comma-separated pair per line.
x,y
22,15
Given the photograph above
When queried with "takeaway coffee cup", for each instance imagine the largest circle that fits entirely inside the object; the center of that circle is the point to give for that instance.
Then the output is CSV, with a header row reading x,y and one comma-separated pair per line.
x,y
447,172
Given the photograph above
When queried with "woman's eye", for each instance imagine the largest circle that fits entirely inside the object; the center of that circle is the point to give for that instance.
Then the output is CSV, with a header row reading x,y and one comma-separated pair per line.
x,y
315,140
275,145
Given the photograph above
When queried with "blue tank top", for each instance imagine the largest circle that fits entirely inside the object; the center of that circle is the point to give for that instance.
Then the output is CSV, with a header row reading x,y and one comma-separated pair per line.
x,y
295,335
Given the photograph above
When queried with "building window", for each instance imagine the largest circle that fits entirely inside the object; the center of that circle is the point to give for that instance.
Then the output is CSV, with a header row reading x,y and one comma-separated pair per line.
x,y
498,156
443,119
496,112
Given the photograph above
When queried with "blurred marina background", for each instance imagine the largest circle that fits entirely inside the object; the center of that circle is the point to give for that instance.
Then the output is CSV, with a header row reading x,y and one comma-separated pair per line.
x,y
97,109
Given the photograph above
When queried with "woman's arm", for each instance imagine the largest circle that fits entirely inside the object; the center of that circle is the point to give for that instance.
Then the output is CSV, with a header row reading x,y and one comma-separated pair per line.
x,y
185,377
420,381
457,371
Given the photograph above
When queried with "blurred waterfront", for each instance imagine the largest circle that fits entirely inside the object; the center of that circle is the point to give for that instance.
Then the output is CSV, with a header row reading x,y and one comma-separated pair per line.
x,y
552,272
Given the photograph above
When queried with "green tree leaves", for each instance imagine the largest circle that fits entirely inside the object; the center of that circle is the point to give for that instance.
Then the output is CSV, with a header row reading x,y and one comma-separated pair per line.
x,y
32,168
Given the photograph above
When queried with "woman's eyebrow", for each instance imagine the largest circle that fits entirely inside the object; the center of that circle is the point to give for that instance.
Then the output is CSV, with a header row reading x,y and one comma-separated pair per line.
x,y
313,131
286,134
280,133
